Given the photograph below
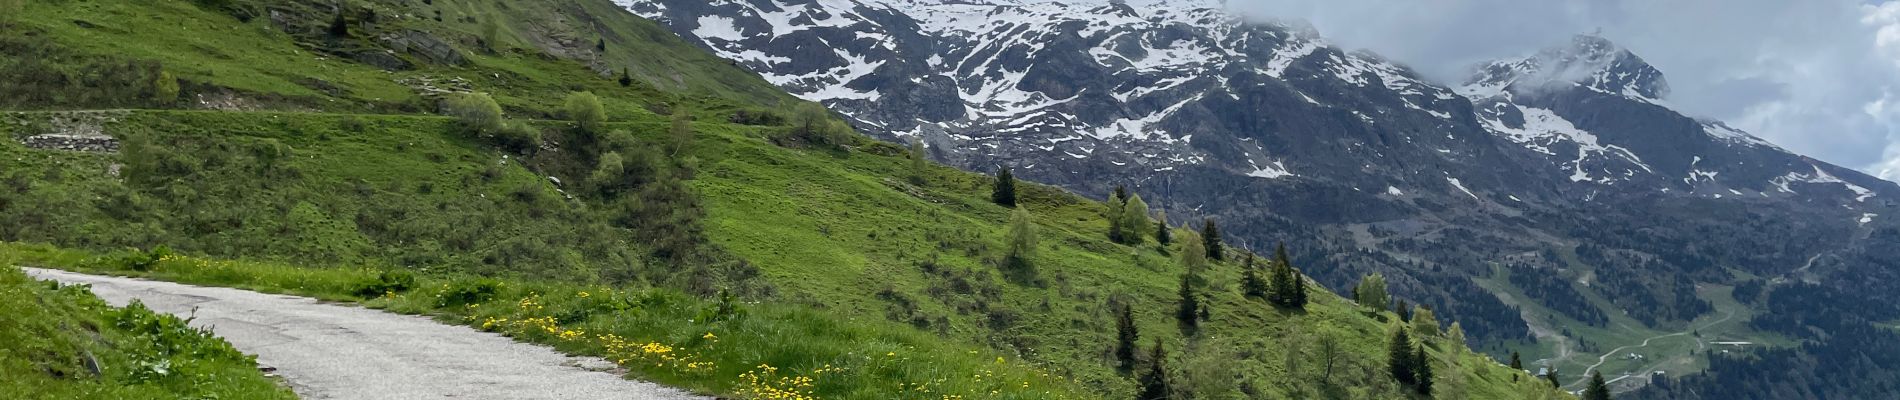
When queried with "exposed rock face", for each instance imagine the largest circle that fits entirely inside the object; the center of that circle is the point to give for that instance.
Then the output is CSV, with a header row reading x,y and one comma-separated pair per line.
x,y
1355,161
91,144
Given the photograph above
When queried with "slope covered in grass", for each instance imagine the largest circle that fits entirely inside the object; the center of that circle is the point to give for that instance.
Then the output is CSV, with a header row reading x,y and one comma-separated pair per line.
x,y
352,172
63,343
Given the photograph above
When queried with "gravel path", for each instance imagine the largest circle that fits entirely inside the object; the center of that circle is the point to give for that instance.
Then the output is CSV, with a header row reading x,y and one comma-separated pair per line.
x,y
329,351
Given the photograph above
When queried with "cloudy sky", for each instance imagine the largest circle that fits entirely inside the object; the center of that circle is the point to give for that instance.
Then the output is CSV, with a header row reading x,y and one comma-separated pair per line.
x,y
1819,77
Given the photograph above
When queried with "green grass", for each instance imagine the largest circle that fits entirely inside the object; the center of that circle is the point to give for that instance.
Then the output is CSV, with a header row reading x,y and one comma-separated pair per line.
x,y
657,334
825,240
1675,355
63,343
831,231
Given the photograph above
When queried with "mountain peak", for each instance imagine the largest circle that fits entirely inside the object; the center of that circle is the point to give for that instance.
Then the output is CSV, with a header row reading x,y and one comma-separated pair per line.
x,y
1588,61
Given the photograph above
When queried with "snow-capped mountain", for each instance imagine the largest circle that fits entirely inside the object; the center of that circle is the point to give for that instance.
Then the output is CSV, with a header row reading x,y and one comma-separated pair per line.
x,y
1286,137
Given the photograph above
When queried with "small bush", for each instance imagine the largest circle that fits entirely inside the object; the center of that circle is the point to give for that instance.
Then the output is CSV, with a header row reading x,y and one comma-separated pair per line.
x,y
145,261
757,118
518,136
392,281
465,292
478,113
585,110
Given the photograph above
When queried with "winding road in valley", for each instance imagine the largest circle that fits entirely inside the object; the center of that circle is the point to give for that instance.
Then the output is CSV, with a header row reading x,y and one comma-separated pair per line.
x,y
330,351
1585,377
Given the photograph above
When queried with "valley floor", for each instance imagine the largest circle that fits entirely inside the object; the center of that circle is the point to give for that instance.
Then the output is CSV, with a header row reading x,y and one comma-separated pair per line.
x,y
335,351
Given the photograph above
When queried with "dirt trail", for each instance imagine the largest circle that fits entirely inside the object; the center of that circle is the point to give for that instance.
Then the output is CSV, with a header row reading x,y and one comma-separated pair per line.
x,y
329,351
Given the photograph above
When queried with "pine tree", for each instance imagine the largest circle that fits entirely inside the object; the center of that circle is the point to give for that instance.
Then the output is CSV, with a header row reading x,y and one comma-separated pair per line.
x,y
626,77
1424,322
1134,220
1404,310
1281,279
601,46
919,164
1188,311
1516,363
1399,357
1121,192
340,27
1423,368
1022,244
1211,234
1551,376
1251,284
1597,389
1126,336
1154,383
1164,234
1005,193
1117,206
1299,290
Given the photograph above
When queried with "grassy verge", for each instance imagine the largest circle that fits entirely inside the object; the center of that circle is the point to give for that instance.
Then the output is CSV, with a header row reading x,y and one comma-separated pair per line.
x,y
60,342
719,347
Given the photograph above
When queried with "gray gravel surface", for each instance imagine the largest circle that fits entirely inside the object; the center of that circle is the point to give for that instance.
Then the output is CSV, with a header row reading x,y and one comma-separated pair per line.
x,y
330,351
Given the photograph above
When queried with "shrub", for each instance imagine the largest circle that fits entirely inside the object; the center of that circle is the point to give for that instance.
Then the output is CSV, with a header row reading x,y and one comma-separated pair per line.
x,y
392,281
165,88
478,113
757,118
468,291
145,261
518,136
585,110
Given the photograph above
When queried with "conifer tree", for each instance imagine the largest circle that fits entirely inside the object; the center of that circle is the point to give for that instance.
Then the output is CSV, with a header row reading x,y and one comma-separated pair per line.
x,y
601,46
1126,336
919,166
1516,363
340,27
1404,310
1188,310
1211,234
1164,234
1022,243
1299,290
1117,206
1251,284
1005,191
1281,279
1154,383
1422,366
626,77
1121,192
1597,389
1399,357
1551,375
1134,220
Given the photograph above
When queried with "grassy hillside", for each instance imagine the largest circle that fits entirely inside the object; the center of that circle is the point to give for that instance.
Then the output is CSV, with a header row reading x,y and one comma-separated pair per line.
x,y
351,175
63,343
